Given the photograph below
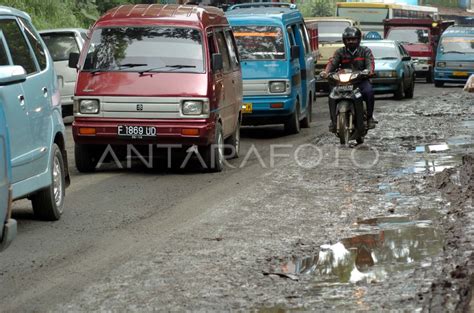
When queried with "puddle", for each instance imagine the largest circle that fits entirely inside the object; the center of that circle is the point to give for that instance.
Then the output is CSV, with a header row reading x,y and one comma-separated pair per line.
x,y
371,257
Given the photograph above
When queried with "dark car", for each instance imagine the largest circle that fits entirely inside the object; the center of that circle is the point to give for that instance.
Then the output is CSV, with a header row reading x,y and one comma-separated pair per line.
x,y
394,68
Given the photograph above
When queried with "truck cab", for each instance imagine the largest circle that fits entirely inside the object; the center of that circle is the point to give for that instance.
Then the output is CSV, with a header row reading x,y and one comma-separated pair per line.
x,y
420,38
330,31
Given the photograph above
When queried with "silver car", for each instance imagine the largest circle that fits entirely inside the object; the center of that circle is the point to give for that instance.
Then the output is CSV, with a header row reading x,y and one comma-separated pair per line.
x,y
60,43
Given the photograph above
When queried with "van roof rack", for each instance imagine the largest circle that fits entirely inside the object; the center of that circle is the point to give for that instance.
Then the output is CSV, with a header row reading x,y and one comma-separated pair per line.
x,y
291,6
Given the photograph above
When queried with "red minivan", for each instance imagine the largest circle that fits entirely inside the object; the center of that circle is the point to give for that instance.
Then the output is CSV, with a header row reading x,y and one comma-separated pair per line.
x,y
157,75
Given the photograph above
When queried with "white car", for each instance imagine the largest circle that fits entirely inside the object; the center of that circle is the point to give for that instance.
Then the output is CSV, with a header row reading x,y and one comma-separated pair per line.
x,y
60,43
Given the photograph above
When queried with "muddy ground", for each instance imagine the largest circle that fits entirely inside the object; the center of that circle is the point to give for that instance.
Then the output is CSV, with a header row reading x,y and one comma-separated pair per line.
x,y
387,225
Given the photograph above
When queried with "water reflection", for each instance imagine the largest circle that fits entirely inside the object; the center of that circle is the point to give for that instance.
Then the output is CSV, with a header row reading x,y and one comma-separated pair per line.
x,y
370,257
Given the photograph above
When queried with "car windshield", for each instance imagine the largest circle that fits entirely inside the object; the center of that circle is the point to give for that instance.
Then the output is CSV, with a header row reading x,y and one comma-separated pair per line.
x,y
260,42
383,52
148,48
457,45
60,45
331,31
409,35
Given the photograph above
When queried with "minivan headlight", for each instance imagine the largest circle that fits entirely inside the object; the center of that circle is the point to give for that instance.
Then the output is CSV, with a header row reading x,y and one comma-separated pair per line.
x,y
89,106
194,107
277,87
441,64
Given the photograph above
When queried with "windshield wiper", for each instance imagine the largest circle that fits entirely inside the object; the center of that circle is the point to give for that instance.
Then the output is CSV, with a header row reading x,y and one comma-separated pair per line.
x,y
454,51
129,65
174,66
387,58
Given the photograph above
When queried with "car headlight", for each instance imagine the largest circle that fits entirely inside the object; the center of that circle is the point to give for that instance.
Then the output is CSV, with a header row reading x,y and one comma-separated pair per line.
x,y
277,87
441,64
194,107
89,106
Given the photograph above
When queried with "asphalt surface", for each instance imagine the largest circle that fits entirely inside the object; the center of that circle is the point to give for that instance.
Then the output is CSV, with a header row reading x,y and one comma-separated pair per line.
x,y
114,215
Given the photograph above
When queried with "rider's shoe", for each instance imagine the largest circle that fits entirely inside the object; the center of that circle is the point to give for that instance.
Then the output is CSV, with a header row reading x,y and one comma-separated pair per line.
x,y
332,127
371,123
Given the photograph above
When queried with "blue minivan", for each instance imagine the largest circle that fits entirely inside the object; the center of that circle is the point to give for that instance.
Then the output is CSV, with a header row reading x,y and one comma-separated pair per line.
x,y
7,224
277,64
455,56
32,105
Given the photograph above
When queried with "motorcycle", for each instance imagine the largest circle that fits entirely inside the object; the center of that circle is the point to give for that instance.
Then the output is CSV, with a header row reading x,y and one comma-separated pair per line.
x,y
351,110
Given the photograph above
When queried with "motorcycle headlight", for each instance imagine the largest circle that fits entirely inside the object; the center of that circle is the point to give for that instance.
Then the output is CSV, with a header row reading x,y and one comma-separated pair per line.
x,y
344,78
194,107
441,64
89,106
277,87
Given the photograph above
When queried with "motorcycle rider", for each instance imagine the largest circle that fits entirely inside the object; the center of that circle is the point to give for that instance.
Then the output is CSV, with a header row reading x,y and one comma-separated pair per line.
x,y
357,58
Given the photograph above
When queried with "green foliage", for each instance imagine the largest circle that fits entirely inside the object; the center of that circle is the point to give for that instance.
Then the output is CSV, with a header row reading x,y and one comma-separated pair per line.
x,y
66,13
314,8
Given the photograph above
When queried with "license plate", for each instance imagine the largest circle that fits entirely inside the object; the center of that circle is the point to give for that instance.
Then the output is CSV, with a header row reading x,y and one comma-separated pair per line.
x,y
460,74
136,131
247,108
345,87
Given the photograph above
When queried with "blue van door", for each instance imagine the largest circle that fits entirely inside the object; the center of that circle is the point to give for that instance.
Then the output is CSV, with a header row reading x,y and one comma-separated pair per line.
x,y
295,70
4,169
307,65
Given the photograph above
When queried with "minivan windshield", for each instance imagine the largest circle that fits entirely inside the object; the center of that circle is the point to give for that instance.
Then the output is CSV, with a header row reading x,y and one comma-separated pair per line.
x,y
60,45
331,31
409,35
461,45
260,42
145,49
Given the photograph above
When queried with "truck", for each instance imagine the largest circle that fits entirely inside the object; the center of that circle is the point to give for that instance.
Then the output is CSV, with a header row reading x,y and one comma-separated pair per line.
x,y
420,37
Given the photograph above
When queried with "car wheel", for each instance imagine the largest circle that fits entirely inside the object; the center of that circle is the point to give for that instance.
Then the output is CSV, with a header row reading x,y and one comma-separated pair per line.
x,y
399,93
438,83
86,158
234,141
410,91
292,126
306,122
48,203
213,154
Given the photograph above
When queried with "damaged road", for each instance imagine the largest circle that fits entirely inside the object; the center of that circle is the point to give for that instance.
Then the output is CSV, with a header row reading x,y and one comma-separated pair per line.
x,y
383,225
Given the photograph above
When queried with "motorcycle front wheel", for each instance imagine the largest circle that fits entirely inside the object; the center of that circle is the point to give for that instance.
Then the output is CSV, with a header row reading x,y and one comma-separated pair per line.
x,y
343,128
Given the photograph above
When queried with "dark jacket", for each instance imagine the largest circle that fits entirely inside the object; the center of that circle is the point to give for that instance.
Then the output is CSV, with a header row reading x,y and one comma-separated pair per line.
x,y
342,59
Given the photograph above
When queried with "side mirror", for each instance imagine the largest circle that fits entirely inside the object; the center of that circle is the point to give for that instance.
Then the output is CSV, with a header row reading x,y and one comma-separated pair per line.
x,y
295,52
73,60
12,74
406,58
217,62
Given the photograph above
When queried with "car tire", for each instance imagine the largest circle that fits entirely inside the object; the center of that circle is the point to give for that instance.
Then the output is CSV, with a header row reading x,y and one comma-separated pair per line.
x,y
438,83
213,154
410,90
86,158
234,141
306,122
292,126
48,203
400,90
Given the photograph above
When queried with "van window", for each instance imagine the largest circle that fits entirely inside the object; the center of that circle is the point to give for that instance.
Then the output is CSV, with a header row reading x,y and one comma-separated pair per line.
x,y
232,50
409,35
460,45
223,50
35,42
304,38
3,54
60,45
291,36
331,31
19,50
148,48
260,42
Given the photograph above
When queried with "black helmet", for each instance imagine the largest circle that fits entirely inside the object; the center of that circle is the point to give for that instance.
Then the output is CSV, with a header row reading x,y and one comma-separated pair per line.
x,y
351,32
